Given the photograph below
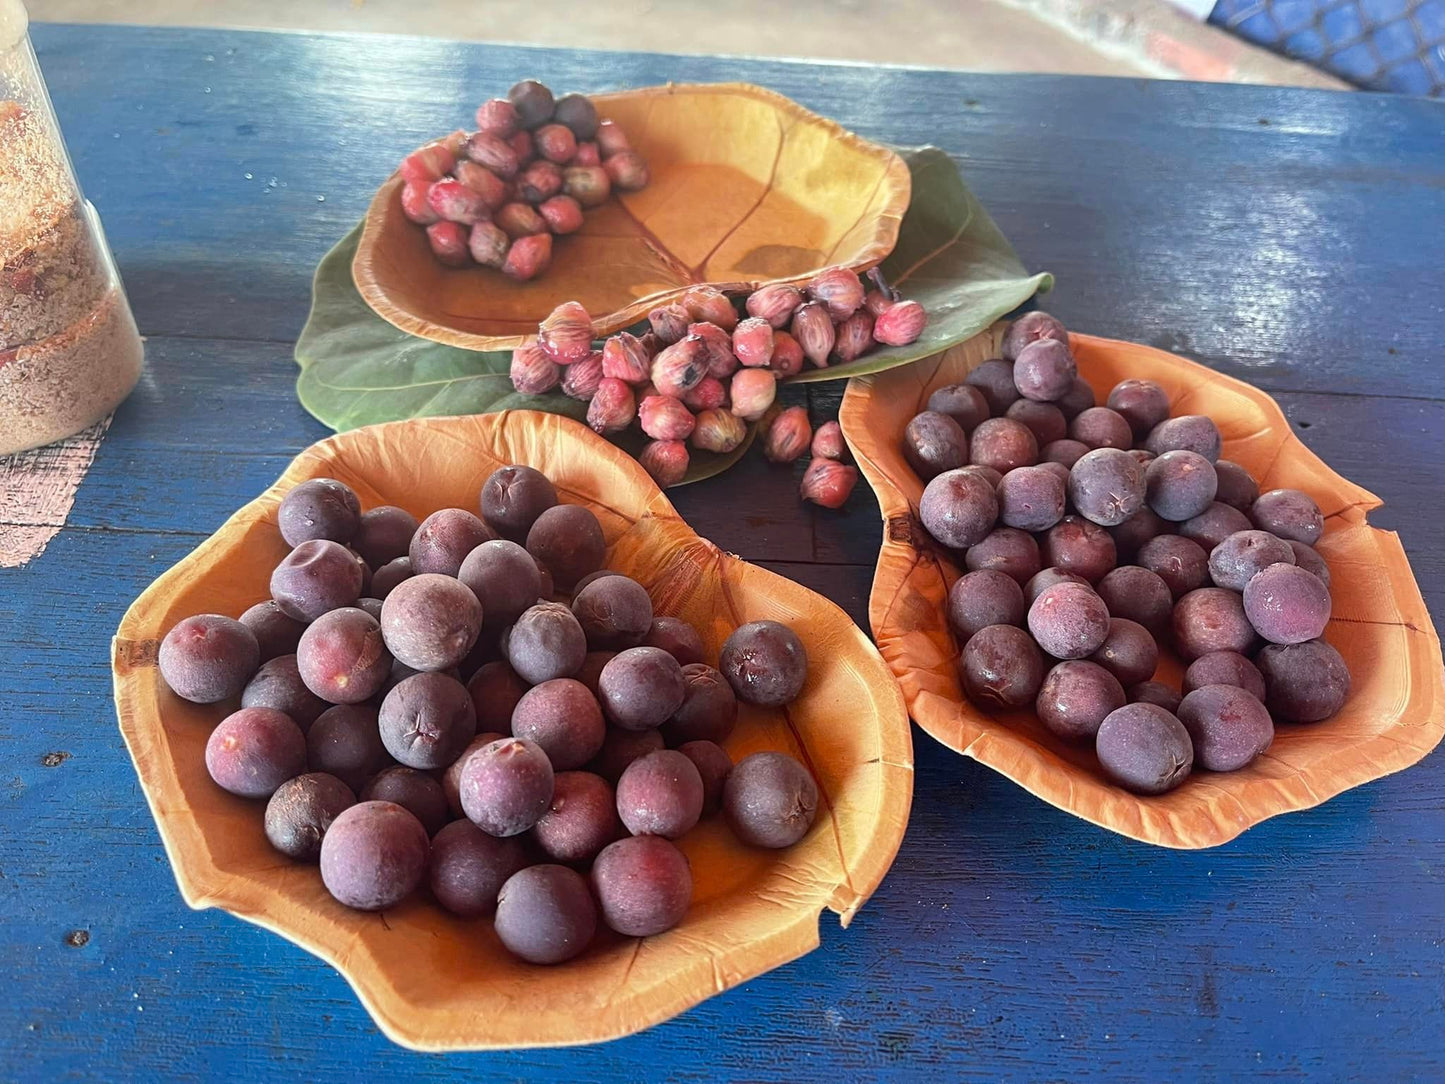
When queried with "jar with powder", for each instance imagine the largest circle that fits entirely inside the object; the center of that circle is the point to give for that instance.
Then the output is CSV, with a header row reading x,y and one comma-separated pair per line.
x,y
69,349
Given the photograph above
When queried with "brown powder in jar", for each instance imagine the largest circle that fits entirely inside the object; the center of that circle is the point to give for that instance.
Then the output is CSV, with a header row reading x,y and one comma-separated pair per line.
x,y
60,385
51,269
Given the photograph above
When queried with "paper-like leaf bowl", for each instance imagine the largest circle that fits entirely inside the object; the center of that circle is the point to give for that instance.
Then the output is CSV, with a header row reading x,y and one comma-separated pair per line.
x,y
435,982
1396,710
747,187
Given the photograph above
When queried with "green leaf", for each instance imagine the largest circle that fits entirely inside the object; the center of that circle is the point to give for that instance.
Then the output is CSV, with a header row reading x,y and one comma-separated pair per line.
x,y
950,258
356,369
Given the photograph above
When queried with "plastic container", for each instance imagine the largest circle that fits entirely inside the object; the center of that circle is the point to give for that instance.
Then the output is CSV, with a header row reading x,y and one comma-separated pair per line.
x,y
69,349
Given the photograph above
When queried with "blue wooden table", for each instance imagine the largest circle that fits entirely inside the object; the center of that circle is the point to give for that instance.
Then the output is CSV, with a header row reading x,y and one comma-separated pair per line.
x,y
1288,237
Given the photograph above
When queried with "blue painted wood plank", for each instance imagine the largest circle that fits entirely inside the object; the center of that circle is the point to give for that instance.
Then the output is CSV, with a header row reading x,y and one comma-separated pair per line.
x,y
1009,938
1009,941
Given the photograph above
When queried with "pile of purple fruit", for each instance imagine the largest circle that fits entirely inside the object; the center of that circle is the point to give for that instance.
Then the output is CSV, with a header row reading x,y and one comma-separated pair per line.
x,y
496,196
1094,534
702,372
522,757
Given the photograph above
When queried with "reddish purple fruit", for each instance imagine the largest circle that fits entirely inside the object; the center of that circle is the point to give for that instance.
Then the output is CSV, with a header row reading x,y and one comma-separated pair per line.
x,y
374,856
1001,668
300,812
253,751
1286,604
506,787
342,657
468,868
546,914
660,794
643,885
208,658
1228,727
770,800
581,819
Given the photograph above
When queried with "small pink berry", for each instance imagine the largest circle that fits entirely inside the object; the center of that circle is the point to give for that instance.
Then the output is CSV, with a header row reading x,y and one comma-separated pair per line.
x,y
611,139
707,304
665,418
649,341
483,182
669,323
493,152
613,408
528,257
540,181
587,155
839,289
519,220
666,461
533,372
788,435
627,170
719,431
563,214
625,358
708,395
565,335
521,143
787,359
718,353
813,328
415,205
828,483
488,244
753,342
581,379
456,143
427,164
775,304
497,117
875,301
680,367
588,185
752,391
900,324
828,442
448,242
556,143
855,337
456,202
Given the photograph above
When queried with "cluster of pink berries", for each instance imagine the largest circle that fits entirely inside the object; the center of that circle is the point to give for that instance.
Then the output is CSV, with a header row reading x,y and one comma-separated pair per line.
x,y
702,372
497,195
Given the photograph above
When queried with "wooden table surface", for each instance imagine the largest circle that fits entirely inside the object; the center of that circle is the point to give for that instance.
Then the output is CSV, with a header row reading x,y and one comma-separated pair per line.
x,y
1288,237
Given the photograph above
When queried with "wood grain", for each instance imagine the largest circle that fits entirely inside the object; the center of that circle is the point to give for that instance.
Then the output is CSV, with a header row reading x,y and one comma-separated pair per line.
x,y
1009,941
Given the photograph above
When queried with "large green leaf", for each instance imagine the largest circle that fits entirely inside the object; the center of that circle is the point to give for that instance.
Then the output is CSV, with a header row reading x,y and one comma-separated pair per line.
x,y
356,369
953,260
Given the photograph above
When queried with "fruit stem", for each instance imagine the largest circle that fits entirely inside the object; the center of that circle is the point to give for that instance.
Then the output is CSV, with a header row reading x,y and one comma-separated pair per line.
x,y
876,274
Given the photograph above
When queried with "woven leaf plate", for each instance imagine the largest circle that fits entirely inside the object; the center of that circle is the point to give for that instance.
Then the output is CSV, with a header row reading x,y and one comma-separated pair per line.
x,y
747,187
1396,710
436,982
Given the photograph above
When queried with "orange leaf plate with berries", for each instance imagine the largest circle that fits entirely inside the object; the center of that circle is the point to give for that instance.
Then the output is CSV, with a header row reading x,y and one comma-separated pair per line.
x,y
436,982
1394,714
745,187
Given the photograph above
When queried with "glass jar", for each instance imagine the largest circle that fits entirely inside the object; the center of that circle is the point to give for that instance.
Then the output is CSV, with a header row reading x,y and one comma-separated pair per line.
x,y
69,349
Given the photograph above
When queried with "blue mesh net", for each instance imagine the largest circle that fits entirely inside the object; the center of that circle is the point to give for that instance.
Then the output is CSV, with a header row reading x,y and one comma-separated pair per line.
x,y
1392,45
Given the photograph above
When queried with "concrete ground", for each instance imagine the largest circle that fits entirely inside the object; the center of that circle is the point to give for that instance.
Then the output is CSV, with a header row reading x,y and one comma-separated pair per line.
x,y
1084,37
